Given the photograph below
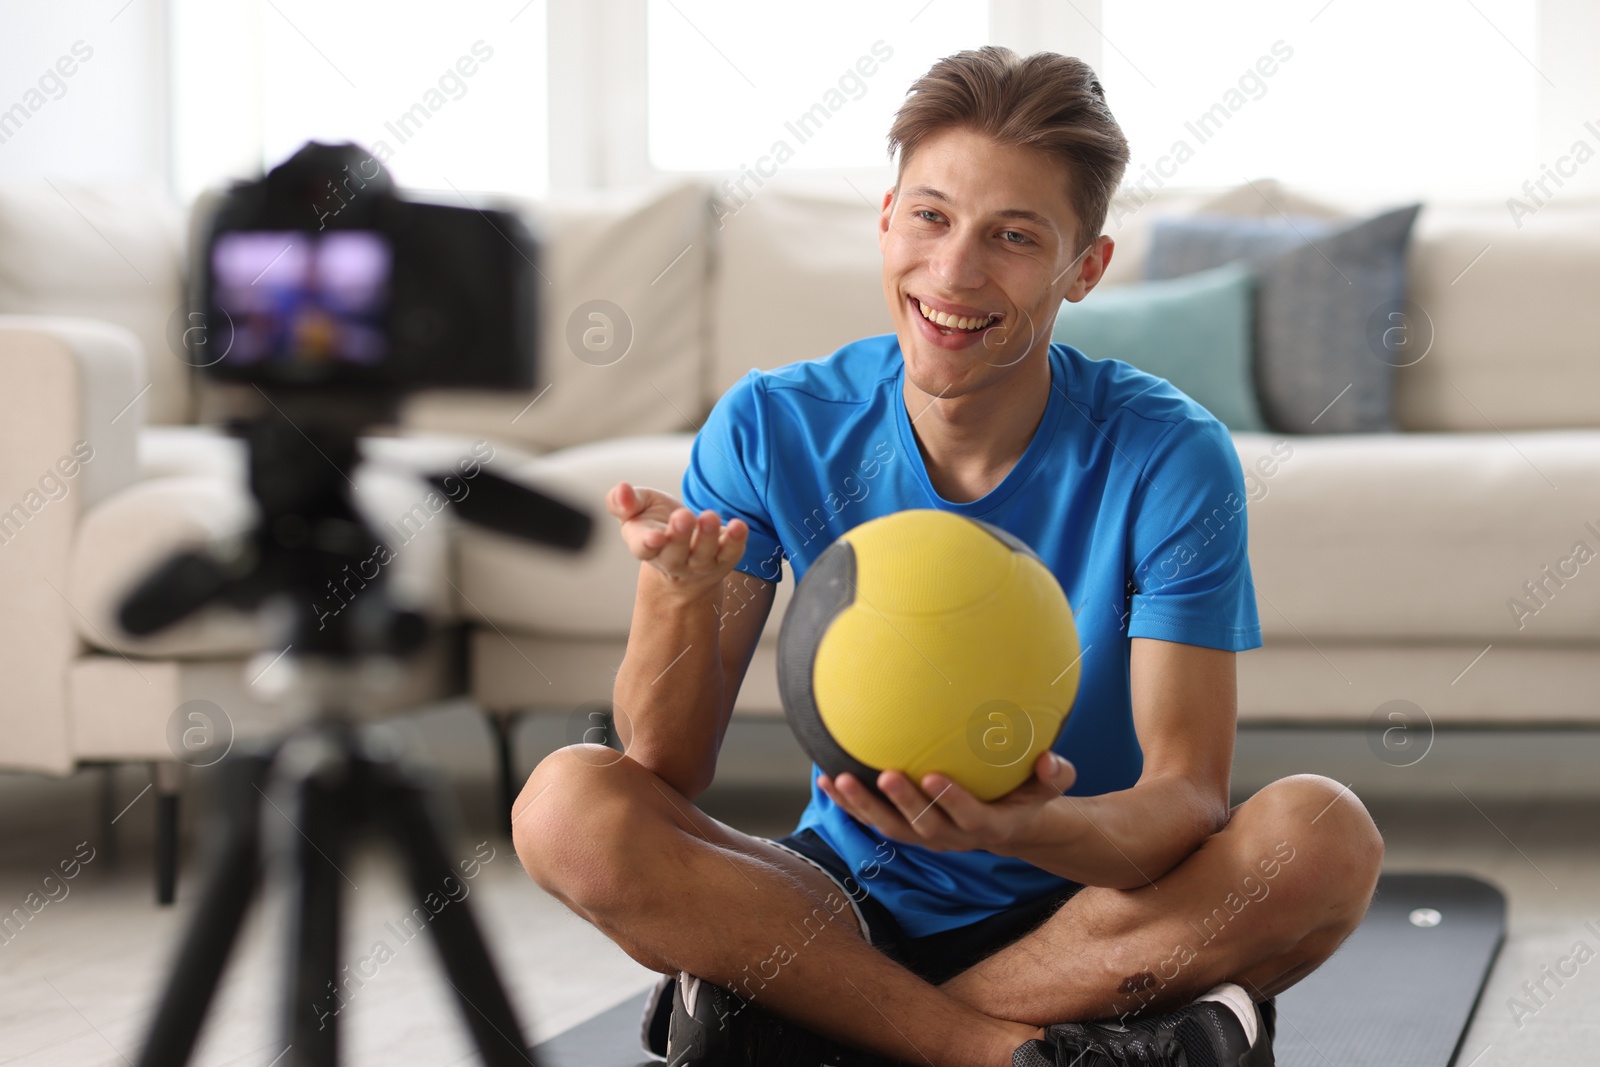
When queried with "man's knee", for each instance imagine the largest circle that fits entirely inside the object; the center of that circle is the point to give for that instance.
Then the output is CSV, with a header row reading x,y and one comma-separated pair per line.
x,y
1318,832
572,821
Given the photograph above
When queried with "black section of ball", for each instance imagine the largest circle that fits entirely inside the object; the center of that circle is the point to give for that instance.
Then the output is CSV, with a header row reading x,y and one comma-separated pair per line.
x,y
830,587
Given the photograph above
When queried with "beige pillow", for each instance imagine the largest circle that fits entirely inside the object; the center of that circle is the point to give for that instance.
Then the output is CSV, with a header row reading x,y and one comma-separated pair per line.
x,y
637,260
798,274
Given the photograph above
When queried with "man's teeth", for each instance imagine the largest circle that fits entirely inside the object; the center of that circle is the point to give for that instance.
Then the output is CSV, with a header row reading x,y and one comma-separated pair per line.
x,y
954,322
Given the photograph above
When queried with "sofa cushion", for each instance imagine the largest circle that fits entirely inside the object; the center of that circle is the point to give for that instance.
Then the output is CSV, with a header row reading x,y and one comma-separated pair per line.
x,y
109,251
1505,311
1320,289
1410,537
515,585
793,246
1345,544
621,301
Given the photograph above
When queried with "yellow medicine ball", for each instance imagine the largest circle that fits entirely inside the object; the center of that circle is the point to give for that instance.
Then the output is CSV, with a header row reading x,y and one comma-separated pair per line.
x,y
927,641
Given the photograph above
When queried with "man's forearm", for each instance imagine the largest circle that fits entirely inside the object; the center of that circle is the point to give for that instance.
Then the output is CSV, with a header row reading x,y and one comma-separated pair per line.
x,y
1122,840
669,687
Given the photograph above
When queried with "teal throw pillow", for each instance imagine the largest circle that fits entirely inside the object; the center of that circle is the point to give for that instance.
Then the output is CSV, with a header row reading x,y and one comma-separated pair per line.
x,y
1195,331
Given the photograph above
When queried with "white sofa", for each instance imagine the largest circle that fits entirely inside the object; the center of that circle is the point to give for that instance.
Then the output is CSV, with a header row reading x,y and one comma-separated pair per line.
x,y
1383,563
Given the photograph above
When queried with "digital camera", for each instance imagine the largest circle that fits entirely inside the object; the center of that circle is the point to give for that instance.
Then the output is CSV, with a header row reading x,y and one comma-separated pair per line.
x,y
320,276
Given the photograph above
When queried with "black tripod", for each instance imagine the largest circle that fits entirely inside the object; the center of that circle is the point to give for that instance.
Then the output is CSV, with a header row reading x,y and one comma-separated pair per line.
x,y
339,778
343,787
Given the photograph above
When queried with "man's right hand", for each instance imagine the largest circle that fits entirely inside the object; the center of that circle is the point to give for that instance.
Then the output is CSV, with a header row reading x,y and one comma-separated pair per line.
x,y
694,554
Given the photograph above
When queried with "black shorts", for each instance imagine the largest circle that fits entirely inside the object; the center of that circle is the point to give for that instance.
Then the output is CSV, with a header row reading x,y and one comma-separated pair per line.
x,y
936,957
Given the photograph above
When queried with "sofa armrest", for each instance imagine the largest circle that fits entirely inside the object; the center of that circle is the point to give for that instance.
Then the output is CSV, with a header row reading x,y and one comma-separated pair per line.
x,y
98,371
70,411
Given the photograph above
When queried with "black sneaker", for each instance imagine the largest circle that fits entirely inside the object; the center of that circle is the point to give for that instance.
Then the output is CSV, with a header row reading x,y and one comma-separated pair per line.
x,y
657,1017
1206,1033
713,1027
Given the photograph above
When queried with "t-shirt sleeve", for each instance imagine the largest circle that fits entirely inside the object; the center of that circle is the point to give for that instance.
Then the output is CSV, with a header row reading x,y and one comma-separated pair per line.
x,y
1191,567
729,467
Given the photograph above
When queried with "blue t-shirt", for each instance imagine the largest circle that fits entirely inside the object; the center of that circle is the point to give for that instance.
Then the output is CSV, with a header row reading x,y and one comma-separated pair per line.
x,y
1129,491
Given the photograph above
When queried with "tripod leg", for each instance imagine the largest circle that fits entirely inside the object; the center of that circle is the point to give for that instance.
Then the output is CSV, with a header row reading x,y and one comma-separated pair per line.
x,y
327,804
215,925
417,828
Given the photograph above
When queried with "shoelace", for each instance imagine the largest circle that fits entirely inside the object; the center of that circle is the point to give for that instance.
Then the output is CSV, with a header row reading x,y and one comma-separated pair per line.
x,y
1158,1050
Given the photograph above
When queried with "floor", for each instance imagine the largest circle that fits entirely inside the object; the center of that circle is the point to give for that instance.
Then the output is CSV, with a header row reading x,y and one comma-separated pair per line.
x,y
78,978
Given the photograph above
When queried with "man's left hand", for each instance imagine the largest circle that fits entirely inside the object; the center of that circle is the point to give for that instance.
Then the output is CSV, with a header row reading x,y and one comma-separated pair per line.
x,y
943,816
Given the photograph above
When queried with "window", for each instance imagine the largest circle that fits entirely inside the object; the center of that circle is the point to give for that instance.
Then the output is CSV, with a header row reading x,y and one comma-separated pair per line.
x,y
1439,97
451,97
1431,98
815,85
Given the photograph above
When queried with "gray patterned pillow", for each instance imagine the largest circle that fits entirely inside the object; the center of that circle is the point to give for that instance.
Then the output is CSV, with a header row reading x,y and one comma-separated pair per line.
x,y
1322,285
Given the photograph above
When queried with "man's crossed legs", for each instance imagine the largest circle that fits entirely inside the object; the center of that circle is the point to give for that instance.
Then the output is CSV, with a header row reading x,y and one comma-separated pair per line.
x,y
1261,903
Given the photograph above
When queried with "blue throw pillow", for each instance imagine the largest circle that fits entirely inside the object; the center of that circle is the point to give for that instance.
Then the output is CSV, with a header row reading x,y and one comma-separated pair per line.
x,y
1326,291
1193,331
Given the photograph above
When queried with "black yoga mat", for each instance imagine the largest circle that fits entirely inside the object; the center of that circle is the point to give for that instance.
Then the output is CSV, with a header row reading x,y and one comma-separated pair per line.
x,y
1401,990
610,1039
1398,993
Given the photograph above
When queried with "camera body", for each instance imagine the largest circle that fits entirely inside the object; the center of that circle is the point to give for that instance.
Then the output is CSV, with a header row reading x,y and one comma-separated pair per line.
x,y
320,277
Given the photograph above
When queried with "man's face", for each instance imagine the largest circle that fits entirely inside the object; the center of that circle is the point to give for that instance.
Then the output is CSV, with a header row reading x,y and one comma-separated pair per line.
x,y
983,238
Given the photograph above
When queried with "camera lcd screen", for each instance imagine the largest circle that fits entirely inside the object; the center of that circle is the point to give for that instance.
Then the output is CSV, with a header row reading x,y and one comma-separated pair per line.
x,y
304,302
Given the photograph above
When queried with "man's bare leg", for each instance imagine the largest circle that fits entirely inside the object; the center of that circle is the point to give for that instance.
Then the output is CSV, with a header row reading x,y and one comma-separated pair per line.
x,y
1262,903
678,890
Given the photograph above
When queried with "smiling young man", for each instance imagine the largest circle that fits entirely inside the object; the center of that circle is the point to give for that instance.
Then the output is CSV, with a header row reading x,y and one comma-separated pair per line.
x,y
1114,909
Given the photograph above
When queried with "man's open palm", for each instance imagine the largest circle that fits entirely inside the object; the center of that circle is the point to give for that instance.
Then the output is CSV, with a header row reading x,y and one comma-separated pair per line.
x,y
693,551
